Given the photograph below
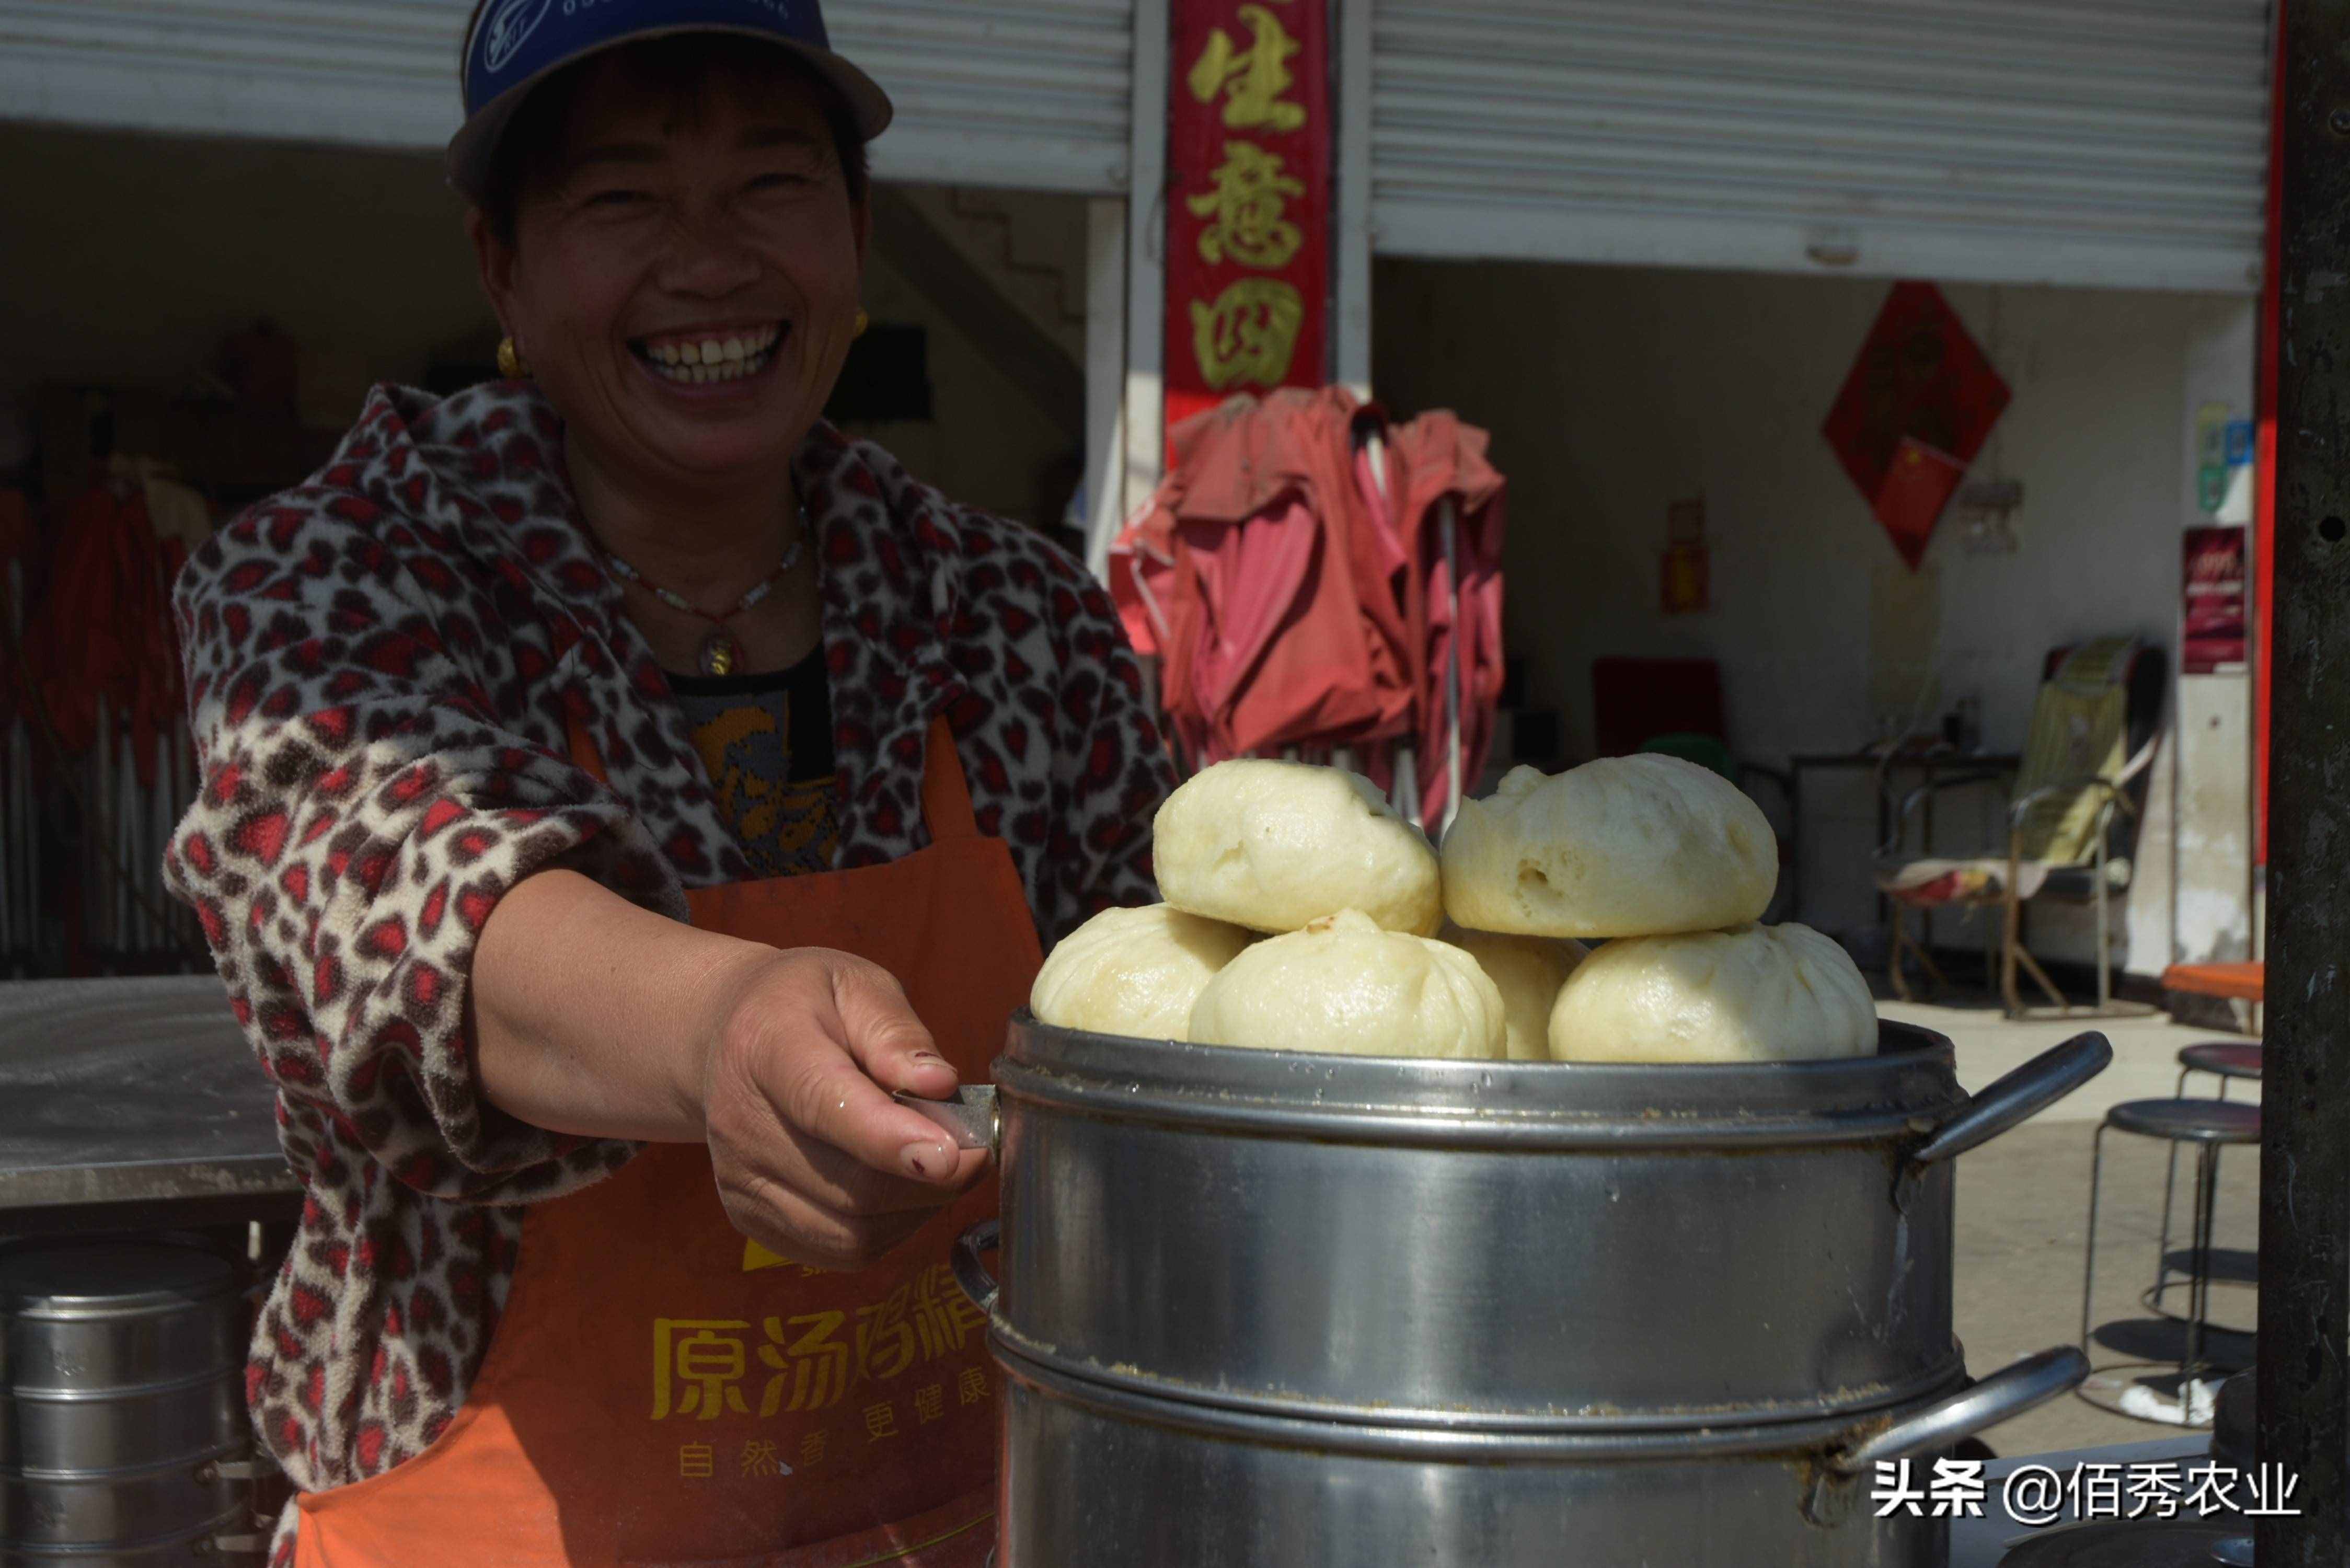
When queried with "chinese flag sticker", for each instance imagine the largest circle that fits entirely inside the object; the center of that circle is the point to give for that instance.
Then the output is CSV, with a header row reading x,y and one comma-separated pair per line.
x,y
1915,410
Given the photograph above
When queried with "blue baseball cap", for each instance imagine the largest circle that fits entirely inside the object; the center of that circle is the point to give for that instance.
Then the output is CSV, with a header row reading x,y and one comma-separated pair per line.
x,y
513,44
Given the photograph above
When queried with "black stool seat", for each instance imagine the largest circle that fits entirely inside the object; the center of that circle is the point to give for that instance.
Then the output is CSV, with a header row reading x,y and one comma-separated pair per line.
x,y
2224,1058
2188,1121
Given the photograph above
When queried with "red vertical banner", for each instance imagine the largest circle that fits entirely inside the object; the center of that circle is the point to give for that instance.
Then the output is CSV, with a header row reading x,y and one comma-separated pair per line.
x,y
2264,400
1248,200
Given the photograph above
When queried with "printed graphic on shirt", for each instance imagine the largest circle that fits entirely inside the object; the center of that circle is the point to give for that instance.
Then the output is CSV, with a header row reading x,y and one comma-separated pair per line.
x,y
766,743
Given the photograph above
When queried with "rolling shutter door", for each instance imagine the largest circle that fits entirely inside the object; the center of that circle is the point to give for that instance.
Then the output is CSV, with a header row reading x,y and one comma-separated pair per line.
x,y
1032,95
1025,93
2108,142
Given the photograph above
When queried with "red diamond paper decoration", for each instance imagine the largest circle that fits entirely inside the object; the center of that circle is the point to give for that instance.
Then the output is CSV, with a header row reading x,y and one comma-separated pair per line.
x,y
1914,412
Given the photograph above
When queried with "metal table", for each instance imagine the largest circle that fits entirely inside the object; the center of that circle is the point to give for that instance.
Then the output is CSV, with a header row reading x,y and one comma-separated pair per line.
x,y
133,1104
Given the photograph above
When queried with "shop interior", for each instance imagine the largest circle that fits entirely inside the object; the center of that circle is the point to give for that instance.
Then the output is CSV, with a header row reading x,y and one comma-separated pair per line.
x,y
193,322
1676,413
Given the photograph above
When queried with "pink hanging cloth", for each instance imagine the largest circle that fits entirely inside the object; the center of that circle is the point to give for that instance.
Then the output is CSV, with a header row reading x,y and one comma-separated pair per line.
x,y
1243,577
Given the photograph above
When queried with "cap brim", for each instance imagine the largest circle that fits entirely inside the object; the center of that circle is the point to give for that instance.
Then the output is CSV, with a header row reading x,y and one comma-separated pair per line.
x,y
471,149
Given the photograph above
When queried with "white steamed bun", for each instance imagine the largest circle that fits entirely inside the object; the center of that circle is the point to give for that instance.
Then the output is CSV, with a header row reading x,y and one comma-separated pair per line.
x,y
1624,846
1759,994
1527,971
1133,971
1344,985
1275,846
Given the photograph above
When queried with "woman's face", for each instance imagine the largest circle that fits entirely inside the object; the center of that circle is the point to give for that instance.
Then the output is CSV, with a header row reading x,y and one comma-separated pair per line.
x,y
683,278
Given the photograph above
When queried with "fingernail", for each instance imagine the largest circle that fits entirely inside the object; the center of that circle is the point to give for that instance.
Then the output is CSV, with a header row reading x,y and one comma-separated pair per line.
x,y
925,1161
929,1059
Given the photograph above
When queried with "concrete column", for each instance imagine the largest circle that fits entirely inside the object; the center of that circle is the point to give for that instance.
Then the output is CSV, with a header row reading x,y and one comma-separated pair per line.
x,y
1105,362
1351,233
2211,721
1146,251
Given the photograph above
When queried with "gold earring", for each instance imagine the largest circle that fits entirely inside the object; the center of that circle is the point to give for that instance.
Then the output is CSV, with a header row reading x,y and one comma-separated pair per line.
x,y
863,321
511,364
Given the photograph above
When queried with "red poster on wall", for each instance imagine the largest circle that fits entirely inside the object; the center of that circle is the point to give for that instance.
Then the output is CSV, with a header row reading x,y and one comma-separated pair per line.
x,y
1248,201
2212,613
1917,407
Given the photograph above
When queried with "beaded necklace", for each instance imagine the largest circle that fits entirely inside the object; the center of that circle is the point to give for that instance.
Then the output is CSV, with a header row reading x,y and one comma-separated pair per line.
x,y
722,651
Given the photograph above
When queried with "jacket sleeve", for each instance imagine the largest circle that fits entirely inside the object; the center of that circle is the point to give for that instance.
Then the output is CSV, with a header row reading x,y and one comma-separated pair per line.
x,y
1111,770
363,808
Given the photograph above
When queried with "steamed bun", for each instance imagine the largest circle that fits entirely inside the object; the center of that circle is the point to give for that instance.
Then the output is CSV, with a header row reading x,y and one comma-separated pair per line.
x,y
1528,971
1275,846
1624,846
1344,985
1133,971
1759,994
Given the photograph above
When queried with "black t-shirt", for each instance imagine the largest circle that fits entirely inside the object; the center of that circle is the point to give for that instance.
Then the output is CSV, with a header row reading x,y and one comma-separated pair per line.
x,y
766,742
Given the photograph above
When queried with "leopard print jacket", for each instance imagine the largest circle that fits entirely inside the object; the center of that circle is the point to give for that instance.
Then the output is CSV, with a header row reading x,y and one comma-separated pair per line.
x,y
379,667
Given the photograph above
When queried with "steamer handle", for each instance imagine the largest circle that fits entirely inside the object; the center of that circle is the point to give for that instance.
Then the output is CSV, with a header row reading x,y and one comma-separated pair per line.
x,y
968,1114
2019,1096
969,1272
2005,1394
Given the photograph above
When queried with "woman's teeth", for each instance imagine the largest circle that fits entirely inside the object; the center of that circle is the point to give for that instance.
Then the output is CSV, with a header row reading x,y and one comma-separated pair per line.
x,y
694,361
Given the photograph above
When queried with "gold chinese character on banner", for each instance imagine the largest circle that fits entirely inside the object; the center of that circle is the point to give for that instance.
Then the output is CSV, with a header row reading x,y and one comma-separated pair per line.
x,y
885,1344
880,1421
810,1364
972,1386
760,1459
930,1403
1251,79
1244,208
704,1361
812,1448
1248,334
697,1461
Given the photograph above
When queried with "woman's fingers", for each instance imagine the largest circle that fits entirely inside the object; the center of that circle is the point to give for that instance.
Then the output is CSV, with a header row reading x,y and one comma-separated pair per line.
x,y
842,1094
814,1156
880,1030
836,1177
794,1225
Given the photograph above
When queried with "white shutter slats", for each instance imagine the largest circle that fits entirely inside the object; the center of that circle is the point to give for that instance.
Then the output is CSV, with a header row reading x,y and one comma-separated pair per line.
x,y
320,70
1032,94
1025,93
2088,141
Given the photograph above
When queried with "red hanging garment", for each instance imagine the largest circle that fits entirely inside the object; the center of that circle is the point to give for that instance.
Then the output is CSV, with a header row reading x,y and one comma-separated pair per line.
x,y
1444,472
1241,577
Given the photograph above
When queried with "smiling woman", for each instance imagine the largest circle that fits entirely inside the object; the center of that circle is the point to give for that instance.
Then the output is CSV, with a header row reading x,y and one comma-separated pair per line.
x,y
602,171
618,786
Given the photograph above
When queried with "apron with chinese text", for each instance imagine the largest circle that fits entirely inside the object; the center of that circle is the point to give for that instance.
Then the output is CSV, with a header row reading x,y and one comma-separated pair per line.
x,y
659,1391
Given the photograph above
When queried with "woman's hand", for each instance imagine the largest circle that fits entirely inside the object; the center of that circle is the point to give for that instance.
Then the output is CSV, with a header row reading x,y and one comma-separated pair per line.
x,y
814,1159
782,1061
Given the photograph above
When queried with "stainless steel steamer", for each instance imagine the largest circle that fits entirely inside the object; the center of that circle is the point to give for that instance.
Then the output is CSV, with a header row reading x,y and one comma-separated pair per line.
x,y
123,1438
1265,1295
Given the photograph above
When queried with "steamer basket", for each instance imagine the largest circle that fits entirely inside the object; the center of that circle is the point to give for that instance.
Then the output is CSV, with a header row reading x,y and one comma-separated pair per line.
x,y
122,1423
1547,1246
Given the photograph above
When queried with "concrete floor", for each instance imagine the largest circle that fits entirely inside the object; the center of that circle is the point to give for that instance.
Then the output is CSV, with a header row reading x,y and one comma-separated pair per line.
x,y
2022,1208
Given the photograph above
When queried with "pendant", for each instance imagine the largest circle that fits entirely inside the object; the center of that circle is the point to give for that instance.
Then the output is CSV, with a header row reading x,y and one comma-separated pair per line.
x,y
720,654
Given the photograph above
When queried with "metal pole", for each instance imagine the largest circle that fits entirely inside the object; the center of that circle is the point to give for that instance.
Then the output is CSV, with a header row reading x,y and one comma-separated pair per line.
x,y
2305,1312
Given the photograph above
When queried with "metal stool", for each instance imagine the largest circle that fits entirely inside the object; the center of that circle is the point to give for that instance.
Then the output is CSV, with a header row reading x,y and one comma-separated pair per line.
x,y
2209,1125
2227,1060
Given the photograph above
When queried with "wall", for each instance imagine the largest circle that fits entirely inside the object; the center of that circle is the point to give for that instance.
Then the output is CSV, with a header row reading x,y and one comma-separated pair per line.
x,y
124,259
1613,393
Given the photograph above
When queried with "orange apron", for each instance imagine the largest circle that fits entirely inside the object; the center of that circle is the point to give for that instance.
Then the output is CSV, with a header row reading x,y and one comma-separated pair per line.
x,y
659,1390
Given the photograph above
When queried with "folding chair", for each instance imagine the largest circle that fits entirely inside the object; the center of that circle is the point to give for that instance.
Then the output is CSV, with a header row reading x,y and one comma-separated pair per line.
x,y
2071,823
